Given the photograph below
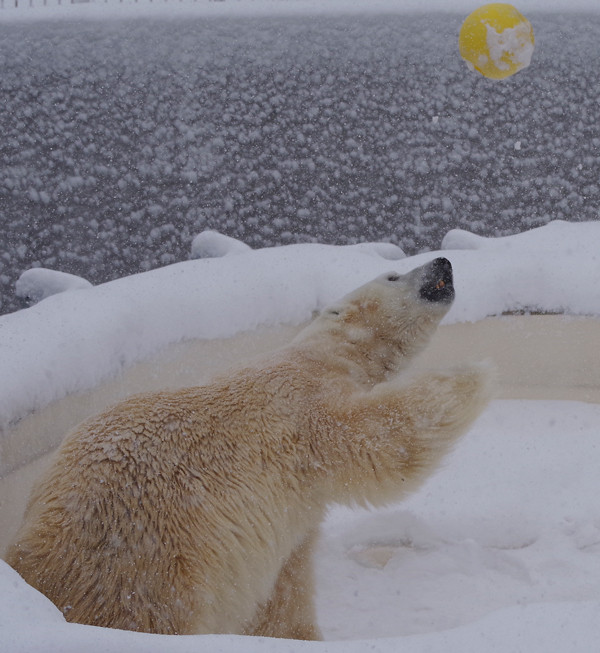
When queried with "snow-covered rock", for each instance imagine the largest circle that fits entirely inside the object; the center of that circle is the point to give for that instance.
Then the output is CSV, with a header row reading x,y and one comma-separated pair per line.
x,y
212,244
38,283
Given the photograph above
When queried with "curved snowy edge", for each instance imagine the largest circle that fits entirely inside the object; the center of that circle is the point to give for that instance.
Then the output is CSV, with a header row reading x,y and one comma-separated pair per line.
x,y
30,623
72,341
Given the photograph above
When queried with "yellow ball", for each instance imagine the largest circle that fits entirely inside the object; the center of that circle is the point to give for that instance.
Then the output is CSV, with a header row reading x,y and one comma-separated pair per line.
x,y
496,40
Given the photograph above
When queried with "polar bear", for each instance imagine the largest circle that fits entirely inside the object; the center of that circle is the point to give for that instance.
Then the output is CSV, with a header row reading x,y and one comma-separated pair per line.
x,y
196,511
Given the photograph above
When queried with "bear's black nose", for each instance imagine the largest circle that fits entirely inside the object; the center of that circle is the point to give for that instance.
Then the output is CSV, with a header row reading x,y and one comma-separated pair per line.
x,y
437,281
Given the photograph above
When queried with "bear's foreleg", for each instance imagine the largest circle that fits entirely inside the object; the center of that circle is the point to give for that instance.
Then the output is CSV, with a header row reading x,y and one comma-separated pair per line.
x,y
396,434
290,612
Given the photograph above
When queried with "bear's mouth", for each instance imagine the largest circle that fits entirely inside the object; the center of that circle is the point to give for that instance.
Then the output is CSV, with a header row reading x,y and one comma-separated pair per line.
x,y
437,283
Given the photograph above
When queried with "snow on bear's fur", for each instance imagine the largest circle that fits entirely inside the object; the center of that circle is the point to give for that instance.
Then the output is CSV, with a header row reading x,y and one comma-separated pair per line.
x,y
196,511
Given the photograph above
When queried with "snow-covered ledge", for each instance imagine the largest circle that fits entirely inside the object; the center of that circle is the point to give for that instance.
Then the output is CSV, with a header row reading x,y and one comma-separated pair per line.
x,y
72,341
84,337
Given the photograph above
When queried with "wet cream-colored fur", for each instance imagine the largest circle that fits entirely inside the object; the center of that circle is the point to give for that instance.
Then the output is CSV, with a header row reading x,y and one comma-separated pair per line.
x,y
196,511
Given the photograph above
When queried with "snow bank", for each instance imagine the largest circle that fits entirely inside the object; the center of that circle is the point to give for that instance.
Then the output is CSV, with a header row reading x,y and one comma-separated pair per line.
x,y
511,519
38,283
554,268
212,244
70,342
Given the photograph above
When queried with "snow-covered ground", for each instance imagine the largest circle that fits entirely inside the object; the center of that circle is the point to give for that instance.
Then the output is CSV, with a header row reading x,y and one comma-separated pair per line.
x,y
499,551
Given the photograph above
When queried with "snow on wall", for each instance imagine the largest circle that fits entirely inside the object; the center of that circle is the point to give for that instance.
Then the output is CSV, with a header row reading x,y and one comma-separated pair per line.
x,y
73,340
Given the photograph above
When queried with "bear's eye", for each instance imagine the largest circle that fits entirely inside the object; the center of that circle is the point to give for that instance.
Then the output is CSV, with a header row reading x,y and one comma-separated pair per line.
x,y
333,311
393,277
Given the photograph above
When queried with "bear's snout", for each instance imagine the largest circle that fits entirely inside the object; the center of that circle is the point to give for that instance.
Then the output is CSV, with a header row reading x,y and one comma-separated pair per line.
x,y
437,283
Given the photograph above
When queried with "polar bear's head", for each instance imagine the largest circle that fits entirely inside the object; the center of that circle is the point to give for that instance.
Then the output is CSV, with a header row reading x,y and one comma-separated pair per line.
x,y
382,325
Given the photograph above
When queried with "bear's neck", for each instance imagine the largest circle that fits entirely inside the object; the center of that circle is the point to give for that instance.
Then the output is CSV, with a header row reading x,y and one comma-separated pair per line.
x,y
345,361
